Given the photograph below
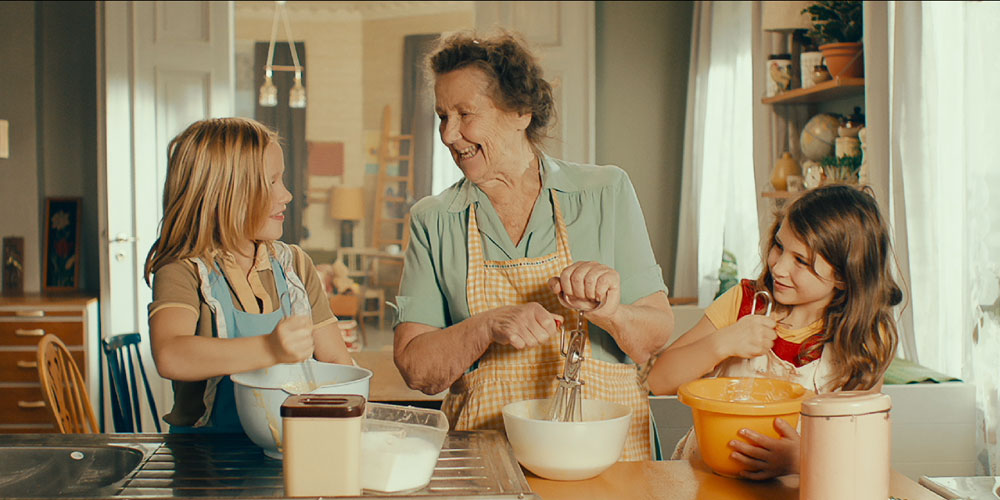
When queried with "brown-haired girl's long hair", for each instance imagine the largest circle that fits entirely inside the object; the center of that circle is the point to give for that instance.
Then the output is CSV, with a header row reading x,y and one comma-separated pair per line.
x,y
842,224
216,192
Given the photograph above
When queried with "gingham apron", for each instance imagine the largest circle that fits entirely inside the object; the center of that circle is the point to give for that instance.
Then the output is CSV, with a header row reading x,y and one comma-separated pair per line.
x,y
506,375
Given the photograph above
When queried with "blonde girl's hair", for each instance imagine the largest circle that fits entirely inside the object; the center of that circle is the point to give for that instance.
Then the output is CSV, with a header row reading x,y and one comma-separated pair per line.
x,y
216,193
842,224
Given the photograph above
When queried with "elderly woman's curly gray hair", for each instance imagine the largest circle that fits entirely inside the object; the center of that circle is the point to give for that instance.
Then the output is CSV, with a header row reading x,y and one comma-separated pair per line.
x,y
516,82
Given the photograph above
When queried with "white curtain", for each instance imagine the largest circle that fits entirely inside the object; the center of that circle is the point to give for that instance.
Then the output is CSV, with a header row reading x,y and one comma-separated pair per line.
x,y
945,109
718,197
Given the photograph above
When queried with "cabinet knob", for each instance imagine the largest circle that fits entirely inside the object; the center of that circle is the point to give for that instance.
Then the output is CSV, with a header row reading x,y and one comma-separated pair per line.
x,y
34,314
27,364
31,404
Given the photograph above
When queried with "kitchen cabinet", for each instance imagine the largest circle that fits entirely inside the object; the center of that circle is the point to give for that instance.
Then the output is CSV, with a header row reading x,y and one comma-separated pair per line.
x,y
24,320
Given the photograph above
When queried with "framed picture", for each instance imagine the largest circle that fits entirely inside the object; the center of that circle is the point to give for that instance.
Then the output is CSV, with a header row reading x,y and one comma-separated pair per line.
x,y
62,244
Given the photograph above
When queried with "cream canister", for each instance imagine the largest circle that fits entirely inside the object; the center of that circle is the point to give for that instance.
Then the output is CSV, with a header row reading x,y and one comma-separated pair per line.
x,y
845,446
322,444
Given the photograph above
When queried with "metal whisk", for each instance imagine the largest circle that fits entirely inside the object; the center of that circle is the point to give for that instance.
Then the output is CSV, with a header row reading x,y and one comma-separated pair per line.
x,y
565,404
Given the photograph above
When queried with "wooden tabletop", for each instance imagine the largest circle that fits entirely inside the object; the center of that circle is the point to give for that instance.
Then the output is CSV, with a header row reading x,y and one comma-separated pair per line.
x,y
387,384
684,480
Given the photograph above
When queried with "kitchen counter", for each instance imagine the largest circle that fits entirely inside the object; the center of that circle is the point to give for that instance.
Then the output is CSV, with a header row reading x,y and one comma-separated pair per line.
x,y
472,466
387,384
684,480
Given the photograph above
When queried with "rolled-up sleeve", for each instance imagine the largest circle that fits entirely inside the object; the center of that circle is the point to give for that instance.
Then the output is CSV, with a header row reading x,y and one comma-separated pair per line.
x,y
634,260
420,299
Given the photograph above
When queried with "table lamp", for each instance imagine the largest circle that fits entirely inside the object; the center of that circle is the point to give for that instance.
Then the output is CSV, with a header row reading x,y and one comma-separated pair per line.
x,y
347,205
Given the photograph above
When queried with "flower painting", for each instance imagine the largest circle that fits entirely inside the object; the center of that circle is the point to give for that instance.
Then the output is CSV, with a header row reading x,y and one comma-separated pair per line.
x,y
62,243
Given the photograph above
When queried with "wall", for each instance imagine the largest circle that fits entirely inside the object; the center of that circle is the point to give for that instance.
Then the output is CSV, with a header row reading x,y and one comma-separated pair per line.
x,y
19,201
383,50
50,101
67,124
643,50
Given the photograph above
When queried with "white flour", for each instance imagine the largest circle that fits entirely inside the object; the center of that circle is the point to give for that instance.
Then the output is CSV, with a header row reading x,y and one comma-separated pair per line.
x,y
390,462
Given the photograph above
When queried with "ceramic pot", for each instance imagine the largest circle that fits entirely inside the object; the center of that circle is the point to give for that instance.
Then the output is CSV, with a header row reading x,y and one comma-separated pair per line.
x,y
785,166
844,60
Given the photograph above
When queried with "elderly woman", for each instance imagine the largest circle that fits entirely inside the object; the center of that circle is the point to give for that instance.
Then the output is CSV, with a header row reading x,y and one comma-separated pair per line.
x,y
498,259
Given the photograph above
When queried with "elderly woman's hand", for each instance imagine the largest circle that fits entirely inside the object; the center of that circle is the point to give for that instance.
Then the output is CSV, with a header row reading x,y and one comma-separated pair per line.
x,y
589,287
522,326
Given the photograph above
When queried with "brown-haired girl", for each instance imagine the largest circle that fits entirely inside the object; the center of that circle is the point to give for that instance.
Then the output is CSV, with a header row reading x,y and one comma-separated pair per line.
x,y
227,296
828,269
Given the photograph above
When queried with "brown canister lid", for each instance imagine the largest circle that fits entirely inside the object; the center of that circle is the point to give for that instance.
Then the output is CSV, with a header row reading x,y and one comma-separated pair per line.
x,y
323,406
846,403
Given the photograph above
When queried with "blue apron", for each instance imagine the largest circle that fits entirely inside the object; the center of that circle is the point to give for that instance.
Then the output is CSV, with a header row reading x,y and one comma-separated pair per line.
x,y
225,418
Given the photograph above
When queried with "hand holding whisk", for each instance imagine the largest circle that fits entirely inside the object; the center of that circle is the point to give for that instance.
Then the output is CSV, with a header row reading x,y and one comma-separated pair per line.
x,y
299,328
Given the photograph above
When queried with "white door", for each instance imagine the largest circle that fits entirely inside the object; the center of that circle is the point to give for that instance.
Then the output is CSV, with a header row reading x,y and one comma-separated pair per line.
x,y
162,65
562,35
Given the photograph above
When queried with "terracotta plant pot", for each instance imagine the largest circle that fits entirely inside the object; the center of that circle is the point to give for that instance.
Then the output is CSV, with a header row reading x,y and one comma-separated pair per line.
x,y
845,60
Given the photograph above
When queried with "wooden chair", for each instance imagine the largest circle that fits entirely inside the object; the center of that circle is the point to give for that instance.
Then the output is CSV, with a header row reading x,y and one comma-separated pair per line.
x,y
348,306
363,266
64,389
123,357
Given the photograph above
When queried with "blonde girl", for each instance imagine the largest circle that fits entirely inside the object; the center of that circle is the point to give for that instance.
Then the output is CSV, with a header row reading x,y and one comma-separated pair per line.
x,y
228,297
832,328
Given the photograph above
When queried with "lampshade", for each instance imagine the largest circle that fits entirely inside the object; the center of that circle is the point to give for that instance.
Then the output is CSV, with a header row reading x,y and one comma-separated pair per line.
x,y
785,16
347,203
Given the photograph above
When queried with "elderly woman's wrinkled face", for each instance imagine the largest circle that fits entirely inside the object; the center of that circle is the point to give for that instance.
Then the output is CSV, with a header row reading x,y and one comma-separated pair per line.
x,y
485,141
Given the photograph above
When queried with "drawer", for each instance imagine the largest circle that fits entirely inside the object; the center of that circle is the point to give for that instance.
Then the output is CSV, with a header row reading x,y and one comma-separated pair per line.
x,y
21,366
28,333
27,428
40,313
24,405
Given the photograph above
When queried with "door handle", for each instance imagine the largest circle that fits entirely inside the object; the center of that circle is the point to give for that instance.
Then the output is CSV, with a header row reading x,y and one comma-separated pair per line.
x,y
31,404
122,238
35,332
27,364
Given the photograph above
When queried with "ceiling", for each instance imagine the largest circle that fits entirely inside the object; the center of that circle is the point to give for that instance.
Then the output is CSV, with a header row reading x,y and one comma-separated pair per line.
x,y
364,10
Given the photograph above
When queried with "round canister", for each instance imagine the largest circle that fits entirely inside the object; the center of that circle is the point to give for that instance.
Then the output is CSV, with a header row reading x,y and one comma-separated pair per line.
x,y
845,446
322,452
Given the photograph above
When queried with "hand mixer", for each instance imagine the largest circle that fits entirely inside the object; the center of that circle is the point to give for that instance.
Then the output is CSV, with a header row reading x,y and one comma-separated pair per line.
x,y
565,405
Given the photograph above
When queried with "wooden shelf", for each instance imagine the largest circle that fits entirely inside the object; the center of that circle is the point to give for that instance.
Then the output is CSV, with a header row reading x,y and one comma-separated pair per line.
x,y
781,195
830,89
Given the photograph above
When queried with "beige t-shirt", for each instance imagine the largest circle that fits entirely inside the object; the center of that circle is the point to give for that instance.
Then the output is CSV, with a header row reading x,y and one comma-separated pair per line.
x,y
177,285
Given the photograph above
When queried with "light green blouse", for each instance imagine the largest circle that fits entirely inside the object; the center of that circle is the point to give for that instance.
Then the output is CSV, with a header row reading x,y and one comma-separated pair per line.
x,y
602,216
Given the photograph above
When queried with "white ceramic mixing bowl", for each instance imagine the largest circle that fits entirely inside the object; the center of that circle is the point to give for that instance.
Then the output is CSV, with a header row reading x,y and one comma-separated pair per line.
x,y
567,451
260,393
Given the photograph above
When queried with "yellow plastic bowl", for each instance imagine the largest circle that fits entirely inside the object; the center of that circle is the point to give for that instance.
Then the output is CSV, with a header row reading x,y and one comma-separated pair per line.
x,y
722,406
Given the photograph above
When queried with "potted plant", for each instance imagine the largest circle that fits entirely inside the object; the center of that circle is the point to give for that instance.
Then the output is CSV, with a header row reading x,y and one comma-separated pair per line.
x,y
838,29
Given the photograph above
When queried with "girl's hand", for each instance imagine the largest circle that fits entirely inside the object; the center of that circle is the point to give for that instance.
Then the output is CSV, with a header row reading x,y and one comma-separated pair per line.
x,y
292,339
753,335
521,326
768,457
589,286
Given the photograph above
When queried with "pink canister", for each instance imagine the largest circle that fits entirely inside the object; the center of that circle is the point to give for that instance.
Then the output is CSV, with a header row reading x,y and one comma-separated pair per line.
x,y
845,446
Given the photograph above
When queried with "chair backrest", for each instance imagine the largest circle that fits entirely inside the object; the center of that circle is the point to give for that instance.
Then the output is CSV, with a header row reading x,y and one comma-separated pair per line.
x,y
64,389
122,354
345,305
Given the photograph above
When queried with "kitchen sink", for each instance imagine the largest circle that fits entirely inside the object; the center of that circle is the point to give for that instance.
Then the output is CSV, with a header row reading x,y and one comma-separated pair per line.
x,y
477,465
31,471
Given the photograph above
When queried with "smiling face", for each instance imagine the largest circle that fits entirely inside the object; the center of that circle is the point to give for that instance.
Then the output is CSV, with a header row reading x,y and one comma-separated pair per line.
x,y
798,281
485,141
274,167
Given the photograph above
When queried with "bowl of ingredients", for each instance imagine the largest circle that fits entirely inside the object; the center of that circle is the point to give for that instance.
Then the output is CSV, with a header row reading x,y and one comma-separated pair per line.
x,y
400,447
259,395
722,406
567,451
